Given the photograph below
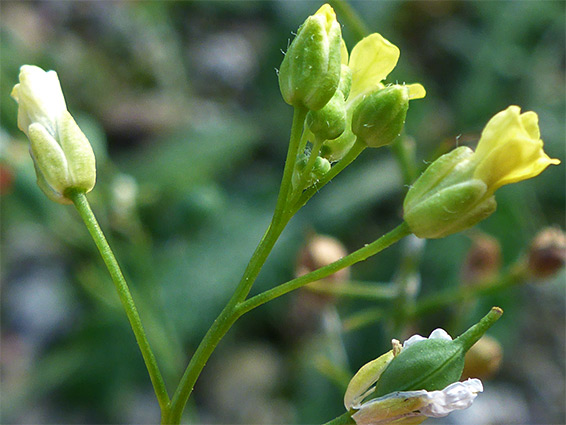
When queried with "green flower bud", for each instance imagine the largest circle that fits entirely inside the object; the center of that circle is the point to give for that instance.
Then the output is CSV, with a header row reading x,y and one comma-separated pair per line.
x,y
379,118
63,157
320,167
310,72
447,199
330,121
434,363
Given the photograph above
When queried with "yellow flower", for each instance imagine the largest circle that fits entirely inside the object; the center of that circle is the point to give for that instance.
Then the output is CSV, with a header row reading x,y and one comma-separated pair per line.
x,y
371,61
457,190
510,149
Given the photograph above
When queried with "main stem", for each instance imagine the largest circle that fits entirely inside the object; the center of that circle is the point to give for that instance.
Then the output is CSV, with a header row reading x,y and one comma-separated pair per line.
x,y
230,313
81,204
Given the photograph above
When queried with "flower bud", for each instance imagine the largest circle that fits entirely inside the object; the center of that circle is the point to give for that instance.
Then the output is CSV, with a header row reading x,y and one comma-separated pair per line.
x,y
330,121
379,118
320,167
310,72
62,155
547,254
456,191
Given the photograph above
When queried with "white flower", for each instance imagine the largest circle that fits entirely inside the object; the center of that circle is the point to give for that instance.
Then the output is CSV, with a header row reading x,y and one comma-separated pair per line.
x,y
62,154
405,407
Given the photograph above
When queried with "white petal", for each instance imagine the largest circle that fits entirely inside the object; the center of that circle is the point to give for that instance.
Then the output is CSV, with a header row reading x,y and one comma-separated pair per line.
x,y
440,334
436,334
412,340
456,396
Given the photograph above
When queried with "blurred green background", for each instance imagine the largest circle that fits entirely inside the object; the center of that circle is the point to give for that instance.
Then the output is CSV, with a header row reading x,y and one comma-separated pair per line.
x,y
181,103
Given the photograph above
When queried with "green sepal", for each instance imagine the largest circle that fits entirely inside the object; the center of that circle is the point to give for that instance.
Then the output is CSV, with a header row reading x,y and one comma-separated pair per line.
x,y
432,364
78,151
379,118
49,158
436,176
450,210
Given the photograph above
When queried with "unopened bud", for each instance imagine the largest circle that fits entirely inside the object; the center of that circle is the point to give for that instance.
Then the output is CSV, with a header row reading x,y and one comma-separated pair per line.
x,y
310,72
379,118
330,121
547,254
62,155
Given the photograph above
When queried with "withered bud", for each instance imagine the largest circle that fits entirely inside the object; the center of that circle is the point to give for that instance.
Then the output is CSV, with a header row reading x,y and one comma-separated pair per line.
x,y
320,251
484,359
547,253
483,259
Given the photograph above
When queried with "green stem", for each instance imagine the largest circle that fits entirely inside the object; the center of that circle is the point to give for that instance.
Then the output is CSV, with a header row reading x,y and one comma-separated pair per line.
x,y
230,313
361,290
352,154
362,318
344,419
404,152
81,204
512,277
306,172
361,254
516,275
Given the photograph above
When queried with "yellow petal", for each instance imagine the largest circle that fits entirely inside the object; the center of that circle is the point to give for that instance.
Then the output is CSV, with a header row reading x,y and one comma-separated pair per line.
x,y
367,376
327,14
372,59
510,149
416,91
530,123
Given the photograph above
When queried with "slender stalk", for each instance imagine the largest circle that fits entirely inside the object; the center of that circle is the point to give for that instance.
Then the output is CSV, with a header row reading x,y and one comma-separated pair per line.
x,y
362,290
515,275
362,318
230,313
404,152
81,204
343,419
361,254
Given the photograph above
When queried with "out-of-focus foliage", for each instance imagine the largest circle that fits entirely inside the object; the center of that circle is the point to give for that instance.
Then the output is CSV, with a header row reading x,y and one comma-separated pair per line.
x,y
181,103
